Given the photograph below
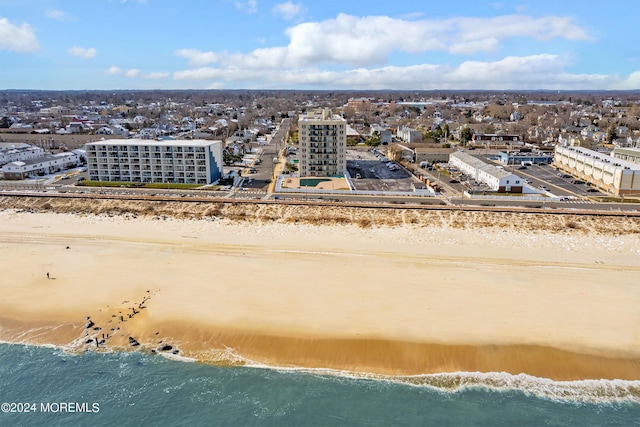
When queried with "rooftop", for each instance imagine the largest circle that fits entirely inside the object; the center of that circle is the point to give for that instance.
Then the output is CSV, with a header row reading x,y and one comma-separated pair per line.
x,y
322,114
628,150
156,142
603,157
481,165
45,158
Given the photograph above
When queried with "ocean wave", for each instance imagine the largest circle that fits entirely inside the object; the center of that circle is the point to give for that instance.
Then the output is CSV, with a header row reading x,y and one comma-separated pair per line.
x,y
592,391
595,391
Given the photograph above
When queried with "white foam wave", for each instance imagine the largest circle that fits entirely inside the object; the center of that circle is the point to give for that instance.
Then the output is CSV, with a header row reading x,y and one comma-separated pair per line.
x,y
595,391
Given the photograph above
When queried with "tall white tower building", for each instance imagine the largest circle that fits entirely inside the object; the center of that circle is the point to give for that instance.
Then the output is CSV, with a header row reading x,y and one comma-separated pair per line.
x,y
323,141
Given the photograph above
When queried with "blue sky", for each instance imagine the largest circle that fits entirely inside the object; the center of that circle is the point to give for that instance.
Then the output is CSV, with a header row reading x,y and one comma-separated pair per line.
x,y
328,44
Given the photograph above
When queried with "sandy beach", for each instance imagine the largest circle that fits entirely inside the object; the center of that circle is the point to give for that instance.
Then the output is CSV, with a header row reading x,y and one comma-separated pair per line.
x,y
405,299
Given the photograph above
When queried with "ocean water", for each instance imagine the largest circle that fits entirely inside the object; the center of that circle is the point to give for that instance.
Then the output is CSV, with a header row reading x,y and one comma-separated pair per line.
x,y
133,388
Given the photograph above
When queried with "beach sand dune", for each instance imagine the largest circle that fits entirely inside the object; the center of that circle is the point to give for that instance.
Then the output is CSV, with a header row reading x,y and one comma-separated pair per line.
x,y
421,292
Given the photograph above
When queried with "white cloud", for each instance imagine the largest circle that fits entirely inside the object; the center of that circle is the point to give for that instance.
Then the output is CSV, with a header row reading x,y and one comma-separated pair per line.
x,y
248,6
363,41
113,70
132,72
412,15
288,10
365,44
17,38
196,57
158,75
628,83
56,14
82,52
368,41
543,71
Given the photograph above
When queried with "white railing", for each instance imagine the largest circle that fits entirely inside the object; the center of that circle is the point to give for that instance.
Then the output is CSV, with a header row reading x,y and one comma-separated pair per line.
x,y
307,190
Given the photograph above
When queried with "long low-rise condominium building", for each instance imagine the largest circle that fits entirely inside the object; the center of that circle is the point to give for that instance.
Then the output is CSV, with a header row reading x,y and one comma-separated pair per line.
x,y
43,165
608,173
629,154
168,161
495,178
18,152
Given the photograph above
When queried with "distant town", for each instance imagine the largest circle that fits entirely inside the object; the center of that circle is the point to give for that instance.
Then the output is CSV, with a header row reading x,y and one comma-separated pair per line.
x,y
534,149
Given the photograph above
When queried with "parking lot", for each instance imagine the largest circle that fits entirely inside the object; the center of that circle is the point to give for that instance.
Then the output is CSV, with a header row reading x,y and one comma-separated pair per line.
x,y
556,182
370,173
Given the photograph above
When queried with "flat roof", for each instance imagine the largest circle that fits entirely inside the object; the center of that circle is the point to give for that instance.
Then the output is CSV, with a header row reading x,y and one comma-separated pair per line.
x,y
14,146
45,158
627,150
481,165
525,154
603,157
157,143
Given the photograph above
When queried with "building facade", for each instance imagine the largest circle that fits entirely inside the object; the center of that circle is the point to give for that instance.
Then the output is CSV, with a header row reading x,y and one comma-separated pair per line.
x,y
617,176
409,135
18,152
518,157
167,161
629,154
40,166
496,179
323,140
433,155
493,138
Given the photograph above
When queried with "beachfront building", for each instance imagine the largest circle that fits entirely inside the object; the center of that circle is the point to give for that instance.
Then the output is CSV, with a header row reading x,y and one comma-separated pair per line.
x,y
169,161
16,152
629,154
617,176
322,138
40,166
495,178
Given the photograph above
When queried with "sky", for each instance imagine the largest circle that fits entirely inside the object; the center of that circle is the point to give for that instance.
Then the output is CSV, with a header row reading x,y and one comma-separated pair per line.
x,y
325,45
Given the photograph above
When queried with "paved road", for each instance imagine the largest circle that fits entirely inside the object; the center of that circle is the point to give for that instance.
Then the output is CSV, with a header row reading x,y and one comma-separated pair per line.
x,y
260,180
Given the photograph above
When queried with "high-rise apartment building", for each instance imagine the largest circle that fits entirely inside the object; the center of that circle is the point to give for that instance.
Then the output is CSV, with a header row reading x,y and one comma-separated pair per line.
x,y
169,161
323,140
